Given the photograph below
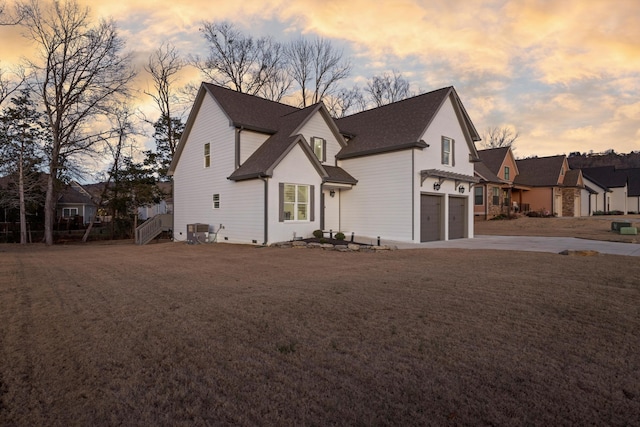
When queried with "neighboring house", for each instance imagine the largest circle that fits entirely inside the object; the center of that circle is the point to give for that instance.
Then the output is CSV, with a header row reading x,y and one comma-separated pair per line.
x,y
615,181
592,196
547,184
257,171
633,191
164,206
75,204
497,171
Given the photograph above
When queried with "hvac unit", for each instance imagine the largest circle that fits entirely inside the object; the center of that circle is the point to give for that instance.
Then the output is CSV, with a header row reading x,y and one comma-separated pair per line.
x,y
197,233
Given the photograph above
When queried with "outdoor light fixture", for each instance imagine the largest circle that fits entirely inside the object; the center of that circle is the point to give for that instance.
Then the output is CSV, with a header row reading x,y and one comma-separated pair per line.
x,y
332,193
461,189
436,186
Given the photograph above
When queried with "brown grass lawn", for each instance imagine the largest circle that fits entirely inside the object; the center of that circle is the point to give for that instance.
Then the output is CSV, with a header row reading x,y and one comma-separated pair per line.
x,y
171,334
594,227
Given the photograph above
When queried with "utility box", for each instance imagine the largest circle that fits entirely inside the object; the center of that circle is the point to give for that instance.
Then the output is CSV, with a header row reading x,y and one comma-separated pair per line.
x,y
617,225
197,233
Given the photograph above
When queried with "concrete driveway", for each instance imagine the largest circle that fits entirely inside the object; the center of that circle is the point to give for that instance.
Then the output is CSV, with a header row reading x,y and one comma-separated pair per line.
x,y
528,243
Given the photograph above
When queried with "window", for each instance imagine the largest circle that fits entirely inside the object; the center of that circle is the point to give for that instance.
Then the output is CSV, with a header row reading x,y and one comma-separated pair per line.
x,y
69,212
319,146
507,173
479,193
296,202
216,201
448,151
496,196
207,155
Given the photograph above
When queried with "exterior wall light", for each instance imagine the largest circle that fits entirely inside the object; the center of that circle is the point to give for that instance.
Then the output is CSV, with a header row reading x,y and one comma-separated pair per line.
x,y
436,186
461,189
332,193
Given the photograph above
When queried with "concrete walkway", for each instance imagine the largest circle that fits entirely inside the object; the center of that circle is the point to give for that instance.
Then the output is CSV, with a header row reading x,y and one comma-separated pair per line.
x,y
527,243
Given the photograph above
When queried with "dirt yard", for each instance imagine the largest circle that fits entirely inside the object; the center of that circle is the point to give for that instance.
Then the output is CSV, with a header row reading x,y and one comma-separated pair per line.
x,y
595,227
171,334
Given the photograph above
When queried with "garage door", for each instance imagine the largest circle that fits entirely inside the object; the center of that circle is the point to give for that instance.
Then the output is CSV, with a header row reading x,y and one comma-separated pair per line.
x,y
456,217
430,217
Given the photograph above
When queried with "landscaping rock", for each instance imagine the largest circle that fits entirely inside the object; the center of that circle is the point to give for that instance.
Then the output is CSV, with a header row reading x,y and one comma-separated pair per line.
x,y
299,244
353,247
314,245
326,246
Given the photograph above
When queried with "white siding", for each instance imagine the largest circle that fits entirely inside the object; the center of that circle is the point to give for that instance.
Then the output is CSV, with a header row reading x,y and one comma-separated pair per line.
x,y
332,210
295,168
241,203
618,199
380,204
445,123
317,126
249,143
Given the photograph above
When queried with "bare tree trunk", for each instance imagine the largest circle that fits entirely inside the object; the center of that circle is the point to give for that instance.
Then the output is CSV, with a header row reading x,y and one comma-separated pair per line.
x,y
49,211
23,213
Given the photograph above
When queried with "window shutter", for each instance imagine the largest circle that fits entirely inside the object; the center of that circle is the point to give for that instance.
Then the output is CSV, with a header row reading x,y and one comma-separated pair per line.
x,y
312,203
442,150
453,152
324,150
281,203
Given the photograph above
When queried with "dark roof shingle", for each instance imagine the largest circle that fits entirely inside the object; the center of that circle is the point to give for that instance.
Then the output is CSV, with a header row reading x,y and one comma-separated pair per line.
x,y
539,171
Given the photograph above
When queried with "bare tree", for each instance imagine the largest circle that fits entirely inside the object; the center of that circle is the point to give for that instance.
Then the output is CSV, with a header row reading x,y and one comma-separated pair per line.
x,y
10,82
388,88
345,102
8,18
79,72
317,67
499,136
237,61
123,127
164,65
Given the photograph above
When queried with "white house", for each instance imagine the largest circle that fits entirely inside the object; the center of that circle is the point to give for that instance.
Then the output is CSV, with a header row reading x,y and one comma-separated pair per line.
x,y
615,198
258,171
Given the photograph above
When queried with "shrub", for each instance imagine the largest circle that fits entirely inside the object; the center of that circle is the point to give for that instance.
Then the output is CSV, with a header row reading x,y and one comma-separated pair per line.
x,y
339,235
317,234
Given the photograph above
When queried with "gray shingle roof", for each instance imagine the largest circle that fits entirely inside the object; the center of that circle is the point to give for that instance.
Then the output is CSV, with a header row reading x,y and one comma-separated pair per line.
x,y
485,174
571,178
633,176
606,175
493,158
393,126
539,171
250,111
339,175
278,144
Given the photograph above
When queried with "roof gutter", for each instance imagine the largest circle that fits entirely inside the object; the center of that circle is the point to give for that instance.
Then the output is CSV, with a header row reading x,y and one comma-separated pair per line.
x,y
266,210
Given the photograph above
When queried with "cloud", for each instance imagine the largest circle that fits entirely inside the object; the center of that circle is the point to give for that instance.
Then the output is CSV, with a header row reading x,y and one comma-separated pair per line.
x,y
566,74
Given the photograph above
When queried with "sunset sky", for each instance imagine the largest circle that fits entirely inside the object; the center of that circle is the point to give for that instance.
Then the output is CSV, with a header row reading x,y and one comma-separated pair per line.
x,y
565,74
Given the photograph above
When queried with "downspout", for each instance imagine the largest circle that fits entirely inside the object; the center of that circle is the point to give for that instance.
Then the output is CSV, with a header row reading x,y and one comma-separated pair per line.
x,y
237,156
413,194
266,209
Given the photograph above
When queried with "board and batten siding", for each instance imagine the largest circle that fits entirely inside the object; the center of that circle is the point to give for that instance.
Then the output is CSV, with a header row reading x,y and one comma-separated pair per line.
x,y
445,123
194,185
317,126
295,168
380,204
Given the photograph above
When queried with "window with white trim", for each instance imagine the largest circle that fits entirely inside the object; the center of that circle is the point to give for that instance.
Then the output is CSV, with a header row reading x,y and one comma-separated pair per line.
x,y
448,151
69,212
216,201
507,173
319,146
295,202
207,155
